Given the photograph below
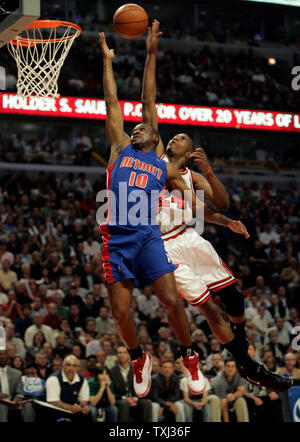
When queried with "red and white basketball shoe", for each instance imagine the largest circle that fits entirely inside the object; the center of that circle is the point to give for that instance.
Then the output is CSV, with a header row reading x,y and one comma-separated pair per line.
x,y
195,378
142,374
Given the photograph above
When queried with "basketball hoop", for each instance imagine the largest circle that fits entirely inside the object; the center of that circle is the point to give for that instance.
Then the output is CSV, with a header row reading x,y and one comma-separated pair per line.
x,y
40,55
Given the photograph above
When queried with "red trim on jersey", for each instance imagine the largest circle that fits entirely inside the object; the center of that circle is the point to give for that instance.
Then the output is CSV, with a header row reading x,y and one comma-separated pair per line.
x,y
175,236
223,286
104,230
175,228
185,171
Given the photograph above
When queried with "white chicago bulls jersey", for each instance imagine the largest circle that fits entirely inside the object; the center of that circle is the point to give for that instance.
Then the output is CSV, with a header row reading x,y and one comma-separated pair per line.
x,y
175,213
200,270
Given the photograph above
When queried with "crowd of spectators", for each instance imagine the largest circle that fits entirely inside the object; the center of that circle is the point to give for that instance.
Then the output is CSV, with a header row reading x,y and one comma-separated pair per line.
x,y
56,312
206,76
65,148
60,148
253,27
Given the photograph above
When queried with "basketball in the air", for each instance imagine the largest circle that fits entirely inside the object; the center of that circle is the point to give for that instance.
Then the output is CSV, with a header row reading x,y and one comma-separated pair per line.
x,y
130,21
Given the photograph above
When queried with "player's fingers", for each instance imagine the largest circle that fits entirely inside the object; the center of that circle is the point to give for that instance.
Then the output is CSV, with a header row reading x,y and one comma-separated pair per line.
x,y
102,39
244,230
197,155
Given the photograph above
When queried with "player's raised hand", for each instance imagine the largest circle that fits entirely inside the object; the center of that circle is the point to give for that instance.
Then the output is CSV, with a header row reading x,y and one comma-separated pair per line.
x,y
239,227
106,52
153,36
200,158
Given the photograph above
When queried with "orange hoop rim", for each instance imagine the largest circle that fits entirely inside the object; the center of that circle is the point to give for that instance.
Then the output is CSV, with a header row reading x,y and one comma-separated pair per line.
x,y
29,42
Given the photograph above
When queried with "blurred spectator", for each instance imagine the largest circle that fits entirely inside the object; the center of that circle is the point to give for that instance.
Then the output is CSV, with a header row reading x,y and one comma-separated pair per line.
x,y
62,310
207,405
290,366
166,392
217,365
22,323
230,388
18,363
67,389
11,387
52,319
148,303
129,406
282,328
11,339
38,326
262,321
91,365
7,277
75,318
33,387
104,321
102,397
200,344
42,365
111,358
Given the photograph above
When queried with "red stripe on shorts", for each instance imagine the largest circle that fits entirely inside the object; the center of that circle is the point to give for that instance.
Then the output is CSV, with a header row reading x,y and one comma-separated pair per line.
x,y
223,286
104,230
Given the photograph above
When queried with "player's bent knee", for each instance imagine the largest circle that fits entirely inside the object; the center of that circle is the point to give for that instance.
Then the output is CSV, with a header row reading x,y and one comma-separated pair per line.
x,y
172,306
120,314
233,301
211,311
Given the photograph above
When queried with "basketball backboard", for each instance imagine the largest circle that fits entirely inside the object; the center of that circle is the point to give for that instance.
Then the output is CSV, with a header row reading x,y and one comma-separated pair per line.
x,y
15,16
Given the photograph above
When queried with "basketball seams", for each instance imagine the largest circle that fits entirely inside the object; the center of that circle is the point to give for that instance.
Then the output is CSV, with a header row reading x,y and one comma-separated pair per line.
x,y
139,10
129,22
132,25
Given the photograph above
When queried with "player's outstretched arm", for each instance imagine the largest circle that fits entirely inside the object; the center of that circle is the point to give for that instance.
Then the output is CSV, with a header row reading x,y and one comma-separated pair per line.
x,y
149,82
175,181
118,139
220,196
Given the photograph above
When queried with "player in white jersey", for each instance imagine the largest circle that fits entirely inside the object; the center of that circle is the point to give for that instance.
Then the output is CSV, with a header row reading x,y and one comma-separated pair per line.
x,y
200,270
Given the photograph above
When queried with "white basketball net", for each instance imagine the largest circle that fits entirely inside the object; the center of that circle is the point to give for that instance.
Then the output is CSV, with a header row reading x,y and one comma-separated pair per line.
x,y
40,62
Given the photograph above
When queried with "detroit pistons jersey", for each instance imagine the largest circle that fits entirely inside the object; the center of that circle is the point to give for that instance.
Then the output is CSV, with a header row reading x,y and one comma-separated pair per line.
x,y
132,243
175,213
135,181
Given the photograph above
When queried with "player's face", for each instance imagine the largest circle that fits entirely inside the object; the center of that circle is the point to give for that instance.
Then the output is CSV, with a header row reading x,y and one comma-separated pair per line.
x,y
180,145
141,136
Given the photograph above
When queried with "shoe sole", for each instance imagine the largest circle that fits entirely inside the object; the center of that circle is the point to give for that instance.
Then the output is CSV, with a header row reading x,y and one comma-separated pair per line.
x,y
150,380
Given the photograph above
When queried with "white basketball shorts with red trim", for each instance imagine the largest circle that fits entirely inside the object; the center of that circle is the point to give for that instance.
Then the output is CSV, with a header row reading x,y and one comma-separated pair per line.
x,y
200,270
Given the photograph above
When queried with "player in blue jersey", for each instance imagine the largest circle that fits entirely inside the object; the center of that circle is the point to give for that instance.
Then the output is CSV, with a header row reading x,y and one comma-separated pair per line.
x,y
185,246
134,252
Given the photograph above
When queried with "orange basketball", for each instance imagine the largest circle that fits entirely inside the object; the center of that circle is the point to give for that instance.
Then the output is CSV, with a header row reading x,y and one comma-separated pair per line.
x,y
130,21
